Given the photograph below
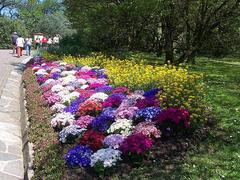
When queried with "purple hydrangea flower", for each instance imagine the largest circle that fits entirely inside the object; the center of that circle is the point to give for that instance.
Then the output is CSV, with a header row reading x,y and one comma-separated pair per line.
x,y
113,141
73,108
102,123
70,132
55,75
148,113
110,112
152,92
79,156
105,89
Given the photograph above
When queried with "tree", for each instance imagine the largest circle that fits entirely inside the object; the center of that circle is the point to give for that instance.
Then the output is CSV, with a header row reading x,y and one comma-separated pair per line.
x,y
54,24
203,19
180,28
8,26
31,16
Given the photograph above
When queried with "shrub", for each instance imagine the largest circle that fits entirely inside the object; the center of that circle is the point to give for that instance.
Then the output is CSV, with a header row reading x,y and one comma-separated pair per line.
x,y
179,87
49,56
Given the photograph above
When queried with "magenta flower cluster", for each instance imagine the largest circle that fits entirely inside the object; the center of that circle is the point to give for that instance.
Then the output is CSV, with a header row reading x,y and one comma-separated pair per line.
x,y
136,143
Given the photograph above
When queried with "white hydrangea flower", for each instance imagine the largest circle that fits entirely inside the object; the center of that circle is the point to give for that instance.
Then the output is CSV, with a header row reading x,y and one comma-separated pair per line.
x,y
84,87
63,92
121,126
41,72
109,157
62,119
100,95
55,70
68,79
86,68
99,80
67,99
49,81
70,88
35,68
81,81
135,97
67,73
57,88
71,130
58,107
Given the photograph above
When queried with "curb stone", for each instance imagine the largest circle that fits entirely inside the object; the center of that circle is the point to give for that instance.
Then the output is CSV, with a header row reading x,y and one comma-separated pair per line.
x,y
27,146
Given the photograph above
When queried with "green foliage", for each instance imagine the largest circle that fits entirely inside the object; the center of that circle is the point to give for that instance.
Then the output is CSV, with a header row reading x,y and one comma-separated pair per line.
x,y
181,29
8,26
32,12
74,45
54,24
29,17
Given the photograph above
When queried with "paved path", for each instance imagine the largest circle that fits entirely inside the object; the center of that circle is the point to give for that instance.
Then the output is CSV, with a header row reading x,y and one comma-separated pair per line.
x,y
8,62
11,156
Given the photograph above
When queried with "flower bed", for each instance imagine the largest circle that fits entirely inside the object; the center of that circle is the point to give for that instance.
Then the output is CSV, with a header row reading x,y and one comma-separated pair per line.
x,y
180,88
106,125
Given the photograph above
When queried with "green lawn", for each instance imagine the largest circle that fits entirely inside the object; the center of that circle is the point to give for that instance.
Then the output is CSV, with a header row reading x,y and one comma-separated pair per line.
x,y
218,156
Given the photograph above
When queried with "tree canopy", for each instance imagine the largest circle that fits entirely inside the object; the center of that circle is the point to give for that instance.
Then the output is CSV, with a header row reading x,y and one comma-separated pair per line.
x,y
32,16
178,28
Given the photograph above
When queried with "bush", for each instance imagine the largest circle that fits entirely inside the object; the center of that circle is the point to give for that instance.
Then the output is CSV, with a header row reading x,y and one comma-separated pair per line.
x,y
180,88
49,56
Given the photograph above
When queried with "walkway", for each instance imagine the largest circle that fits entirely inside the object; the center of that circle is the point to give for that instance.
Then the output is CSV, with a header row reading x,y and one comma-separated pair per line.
x,y
11,156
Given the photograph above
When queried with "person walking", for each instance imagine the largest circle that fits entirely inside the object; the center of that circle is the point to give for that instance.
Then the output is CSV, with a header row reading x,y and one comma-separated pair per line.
x,y
50,42
20,45
28,45
38,43
14,39
44,42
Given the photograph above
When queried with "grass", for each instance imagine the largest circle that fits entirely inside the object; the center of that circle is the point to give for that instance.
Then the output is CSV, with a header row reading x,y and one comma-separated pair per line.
x,y
217,156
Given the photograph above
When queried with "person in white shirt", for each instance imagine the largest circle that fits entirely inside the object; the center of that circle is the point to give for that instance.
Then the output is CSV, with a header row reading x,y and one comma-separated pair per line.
x,y
50,41
20,44
55,40
28,45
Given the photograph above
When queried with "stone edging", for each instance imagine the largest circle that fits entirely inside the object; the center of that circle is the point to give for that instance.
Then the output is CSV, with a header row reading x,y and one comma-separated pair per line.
x,y
27,147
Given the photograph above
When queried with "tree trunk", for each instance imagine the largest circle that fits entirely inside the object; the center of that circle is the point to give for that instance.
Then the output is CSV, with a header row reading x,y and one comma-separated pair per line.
x,y
168,34
188,56
169,56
